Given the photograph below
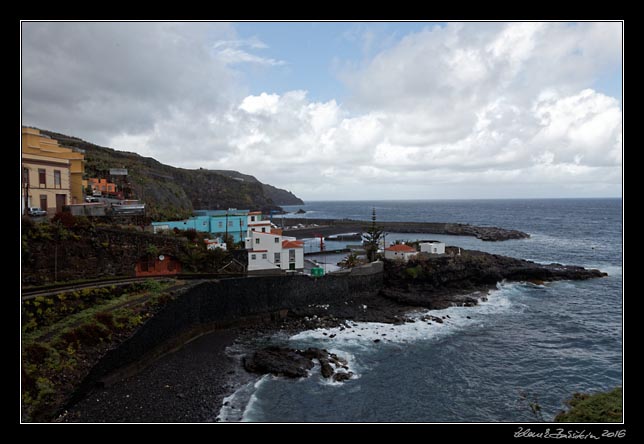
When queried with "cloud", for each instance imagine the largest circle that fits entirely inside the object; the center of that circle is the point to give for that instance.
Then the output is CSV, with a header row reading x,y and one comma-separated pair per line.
x,y
96,80
465,110
230,52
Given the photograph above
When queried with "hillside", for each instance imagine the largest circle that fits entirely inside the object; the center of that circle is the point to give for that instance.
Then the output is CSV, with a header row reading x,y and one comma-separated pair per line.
x,y
171,192
277,195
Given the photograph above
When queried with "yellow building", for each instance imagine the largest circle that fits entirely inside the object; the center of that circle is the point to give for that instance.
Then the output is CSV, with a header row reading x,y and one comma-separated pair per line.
x,y
52,175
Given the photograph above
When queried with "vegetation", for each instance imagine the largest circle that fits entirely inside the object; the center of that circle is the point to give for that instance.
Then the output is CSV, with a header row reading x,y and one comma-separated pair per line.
x,y
57,355
352,260
371,238
598,407
172,193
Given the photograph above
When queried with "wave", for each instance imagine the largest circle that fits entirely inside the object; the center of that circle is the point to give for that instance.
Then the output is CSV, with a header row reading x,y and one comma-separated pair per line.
x,y
241,403
359,336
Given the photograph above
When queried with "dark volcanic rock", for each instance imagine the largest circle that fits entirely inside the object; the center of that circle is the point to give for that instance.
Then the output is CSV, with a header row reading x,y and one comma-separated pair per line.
x,y
292,363
278,361
341,377
451,279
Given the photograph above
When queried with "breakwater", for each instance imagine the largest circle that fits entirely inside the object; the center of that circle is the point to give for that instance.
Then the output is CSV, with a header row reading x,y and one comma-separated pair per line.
x,y
326,227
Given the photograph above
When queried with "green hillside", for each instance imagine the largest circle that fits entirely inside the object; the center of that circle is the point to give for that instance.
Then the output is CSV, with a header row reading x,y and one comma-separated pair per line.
x,y
173,193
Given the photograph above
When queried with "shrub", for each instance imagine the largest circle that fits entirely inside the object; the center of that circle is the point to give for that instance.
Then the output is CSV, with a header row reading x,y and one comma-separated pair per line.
x,y
106,318
66,219
36,353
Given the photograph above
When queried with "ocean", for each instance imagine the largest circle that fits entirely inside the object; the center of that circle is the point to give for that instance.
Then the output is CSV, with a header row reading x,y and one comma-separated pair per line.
x,y
526,344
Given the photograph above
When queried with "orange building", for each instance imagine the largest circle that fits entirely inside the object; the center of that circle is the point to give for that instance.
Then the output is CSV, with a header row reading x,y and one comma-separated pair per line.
x,y
163,265
102,185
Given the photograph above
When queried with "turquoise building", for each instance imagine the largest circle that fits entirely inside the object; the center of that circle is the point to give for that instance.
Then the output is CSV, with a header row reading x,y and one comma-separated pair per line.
x,y
217,223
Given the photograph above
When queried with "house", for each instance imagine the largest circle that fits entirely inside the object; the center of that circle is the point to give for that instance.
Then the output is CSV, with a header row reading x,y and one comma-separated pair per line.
x,y
432,247
52,175
212,244
162,265
400,251
101,186
218,223
268,249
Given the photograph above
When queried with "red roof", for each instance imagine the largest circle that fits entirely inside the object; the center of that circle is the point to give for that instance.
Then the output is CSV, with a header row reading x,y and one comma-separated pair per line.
x,y
254,212
401,248
292,244
258,251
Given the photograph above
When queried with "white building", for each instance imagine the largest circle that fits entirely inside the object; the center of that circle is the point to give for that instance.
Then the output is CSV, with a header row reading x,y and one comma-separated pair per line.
x,y
268,249
400,251
212,244
432,247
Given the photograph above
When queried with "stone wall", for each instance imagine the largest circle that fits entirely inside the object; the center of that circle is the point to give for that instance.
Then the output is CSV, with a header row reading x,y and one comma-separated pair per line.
x,y
223,303
91,253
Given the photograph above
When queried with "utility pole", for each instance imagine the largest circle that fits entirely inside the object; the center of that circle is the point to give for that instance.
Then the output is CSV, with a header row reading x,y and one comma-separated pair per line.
x,y
226,238
25,186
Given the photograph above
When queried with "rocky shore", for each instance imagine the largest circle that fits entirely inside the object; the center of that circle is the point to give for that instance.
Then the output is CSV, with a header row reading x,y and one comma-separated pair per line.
x,y
327,227
190,384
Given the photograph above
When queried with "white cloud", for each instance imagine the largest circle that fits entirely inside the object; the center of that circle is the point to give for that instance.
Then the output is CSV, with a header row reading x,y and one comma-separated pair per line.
x,y
230,52
232,56
466,110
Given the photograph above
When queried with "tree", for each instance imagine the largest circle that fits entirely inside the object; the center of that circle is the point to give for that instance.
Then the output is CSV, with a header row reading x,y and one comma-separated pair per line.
x,y
371,238
350,261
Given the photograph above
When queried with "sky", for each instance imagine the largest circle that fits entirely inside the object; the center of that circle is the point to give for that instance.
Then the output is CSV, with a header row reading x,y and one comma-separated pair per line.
x,y
345,110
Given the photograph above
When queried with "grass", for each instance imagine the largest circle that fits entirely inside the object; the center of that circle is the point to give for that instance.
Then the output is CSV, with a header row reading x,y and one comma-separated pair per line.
x,y
56,357
598,407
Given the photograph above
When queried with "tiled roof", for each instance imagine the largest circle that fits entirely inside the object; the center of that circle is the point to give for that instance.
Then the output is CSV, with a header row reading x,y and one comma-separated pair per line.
x,y
401,248
292,244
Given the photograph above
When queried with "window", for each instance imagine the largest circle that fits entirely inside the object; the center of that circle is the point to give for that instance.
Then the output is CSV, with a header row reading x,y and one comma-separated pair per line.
x,y
252,218
263,230
277,258
253,257
291,255
220,224
57,181
42,177
25,176
277,240
257,240
230,223
264,256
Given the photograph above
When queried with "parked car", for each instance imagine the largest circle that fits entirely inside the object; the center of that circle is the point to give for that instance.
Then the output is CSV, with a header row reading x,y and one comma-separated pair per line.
x,y
36,212
91,199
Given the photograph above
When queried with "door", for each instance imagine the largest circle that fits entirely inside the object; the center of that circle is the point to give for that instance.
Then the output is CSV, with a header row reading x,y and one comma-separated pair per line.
x,y
291,266
43,202
61,200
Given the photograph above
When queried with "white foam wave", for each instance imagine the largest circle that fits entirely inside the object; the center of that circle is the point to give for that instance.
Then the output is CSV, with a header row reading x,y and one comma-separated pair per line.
x,y
240,404
362,335
612,270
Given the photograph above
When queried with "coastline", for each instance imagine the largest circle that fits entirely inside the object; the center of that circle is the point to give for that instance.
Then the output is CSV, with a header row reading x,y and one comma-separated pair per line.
x,y
179,387
190,384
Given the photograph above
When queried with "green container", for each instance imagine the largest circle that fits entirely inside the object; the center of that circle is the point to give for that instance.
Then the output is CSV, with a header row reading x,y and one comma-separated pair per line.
x,y
317,272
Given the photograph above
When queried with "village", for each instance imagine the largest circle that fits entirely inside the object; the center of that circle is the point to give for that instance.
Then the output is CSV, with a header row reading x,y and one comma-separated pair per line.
x,y
54,182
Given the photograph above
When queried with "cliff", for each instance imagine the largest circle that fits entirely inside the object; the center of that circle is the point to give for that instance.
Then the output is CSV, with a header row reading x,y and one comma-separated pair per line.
x,y
277,195
171,192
